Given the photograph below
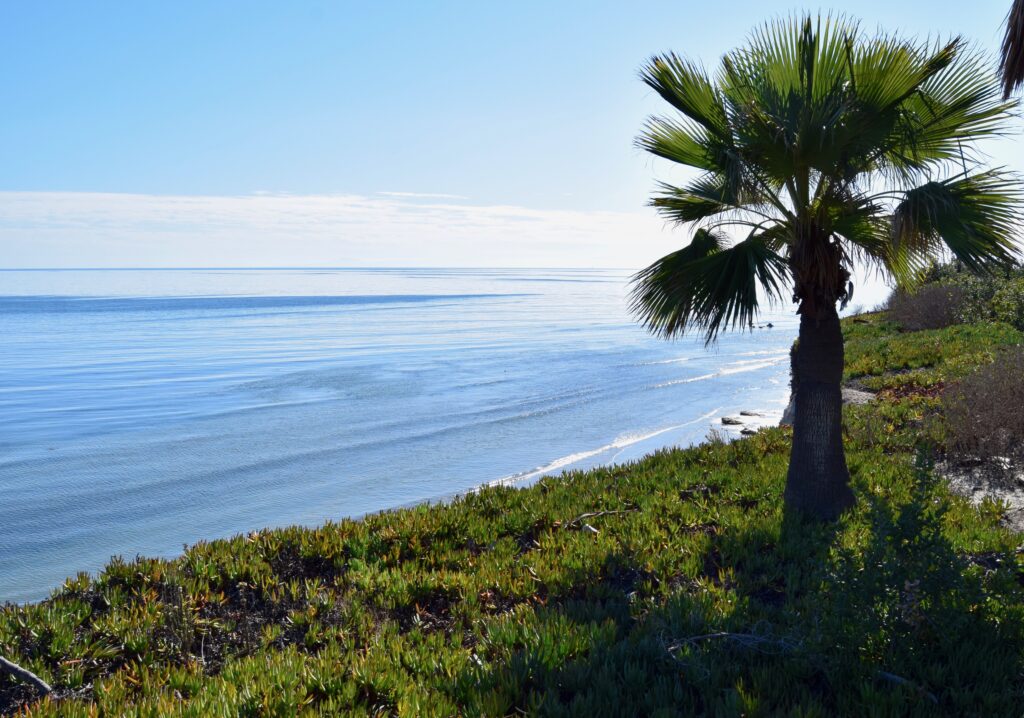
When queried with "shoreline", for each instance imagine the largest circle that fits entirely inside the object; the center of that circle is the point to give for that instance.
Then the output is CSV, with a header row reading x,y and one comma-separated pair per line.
x,y
755,419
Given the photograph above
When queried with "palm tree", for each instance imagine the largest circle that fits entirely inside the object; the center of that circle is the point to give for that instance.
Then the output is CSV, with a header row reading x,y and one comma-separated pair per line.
x,y
1011,65
818,147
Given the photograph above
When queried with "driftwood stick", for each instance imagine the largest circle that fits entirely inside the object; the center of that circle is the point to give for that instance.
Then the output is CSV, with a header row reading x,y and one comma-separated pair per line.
x,y
749,641
25,675
901,681
746,638
597,514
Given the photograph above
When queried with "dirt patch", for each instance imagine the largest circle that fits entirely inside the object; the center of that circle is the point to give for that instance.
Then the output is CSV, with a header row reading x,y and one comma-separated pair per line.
x,y
912,390
431,611
976,483
700,490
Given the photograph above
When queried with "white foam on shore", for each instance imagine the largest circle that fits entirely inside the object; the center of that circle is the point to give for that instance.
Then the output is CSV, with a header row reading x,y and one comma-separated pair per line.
x,y
622,442
687,380
678,360
764,352
734,368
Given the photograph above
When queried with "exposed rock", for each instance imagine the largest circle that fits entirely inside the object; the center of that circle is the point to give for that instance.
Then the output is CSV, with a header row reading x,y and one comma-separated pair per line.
x,y
750,413
856,396
850,396
747,431
731,421
790,412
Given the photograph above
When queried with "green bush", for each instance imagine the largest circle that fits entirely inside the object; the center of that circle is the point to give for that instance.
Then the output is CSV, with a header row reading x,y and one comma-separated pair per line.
x,y
983,298
1008,302
932,306
983,411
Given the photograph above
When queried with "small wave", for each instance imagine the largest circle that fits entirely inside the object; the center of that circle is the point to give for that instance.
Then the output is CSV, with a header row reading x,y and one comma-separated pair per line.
x,y
764,352
678,360
687,380
622,442
734,368
50,304
740,367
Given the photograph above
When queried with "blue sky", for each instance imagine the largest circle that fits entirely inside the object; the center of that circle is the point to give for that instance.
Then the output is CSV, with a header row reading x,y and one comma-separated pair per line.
x,y
198,133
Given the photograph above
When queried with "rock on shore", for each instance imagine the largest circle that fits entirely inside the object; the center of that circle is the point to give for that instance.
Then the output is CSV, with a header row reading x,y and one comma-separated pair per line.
x,y
850,396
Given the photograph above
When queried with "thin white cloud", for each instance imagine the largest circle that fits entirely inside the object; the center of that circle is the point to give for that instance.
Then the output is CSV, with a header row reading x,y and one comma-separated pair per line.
x,y
423,195
85,229
65,229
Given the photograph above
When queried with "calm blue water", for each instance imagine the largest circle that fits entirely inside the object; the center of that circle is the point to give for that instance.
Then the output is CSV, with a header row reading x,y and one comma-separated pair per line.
x,y
141,410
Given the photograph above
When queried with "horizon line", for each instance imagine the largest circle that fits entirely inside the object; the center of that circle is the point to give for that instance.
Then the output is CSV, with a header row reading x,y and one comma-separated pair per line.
x,y
339,267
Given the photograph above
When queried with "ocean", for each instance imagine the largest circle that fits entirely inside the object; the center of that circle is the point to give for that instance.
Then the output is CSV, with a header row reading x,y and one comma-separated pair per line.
x,y
141,410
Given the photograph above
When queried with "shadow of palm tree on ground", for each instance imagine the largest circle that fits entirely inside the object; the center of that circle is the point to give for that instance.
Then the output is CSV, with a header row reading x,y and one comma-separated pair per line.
x,y
900,624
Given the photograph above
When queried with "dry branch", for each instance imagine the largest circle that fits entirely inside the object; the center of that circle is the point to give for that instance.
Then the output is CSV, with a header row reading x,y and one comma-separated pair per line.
x,y
901,681
25,675
576,522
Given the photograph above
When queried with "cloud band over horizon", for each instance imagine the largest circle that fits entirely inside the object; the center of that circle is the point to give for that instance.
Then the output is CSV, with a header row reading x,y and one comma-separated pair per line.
x,y
92,229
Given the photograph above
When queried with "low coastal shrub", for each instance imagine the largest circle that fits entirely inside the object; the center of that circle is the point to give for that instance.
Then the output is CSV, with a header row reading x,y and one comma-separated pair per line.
x,y
984,411
1008,302
999,297
674,585
932,306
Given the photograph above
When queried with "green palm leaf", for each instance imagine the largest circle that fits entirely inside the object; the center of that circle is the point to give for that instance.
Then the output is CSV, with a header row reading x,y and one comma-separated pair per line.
x,y
687,87
1011,65
707,285
682,143
976,217
705,197
867,229
945,118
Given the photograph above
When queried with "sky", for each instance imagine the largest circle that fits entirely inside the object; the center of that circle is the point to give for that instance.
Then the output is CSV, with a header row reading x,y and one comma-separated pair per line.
x,y
359,133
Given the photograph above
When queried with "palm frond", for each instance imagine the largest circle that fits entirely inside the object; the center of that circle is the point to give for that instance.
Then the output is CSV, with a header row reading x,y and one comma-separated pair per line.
x,y
707,196
866,228
887,76
687,87
885,71
777,236
686,145
789,92
869,243
1011,65
707,286
976,217
943,121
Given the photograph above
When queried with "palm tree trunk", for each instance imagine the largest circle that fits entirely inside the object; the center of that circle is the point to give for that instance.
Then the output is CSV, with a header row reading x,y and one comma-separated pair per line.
x,y
818,484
